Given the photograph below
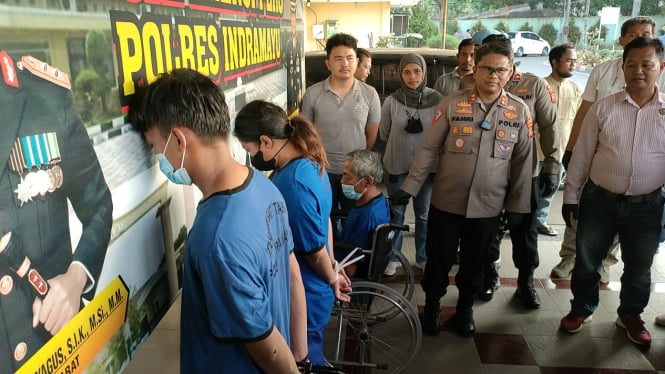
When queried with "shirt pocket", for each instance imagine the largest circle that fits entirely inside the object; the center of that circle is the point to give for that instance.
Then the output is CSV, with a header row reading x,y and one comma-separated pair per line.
x,y
459,139
504,142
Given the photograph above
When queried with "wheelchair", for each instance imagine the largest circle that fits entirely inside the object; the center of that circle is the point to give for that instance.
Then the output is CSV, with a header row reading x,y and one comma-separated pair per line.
x,y
378,331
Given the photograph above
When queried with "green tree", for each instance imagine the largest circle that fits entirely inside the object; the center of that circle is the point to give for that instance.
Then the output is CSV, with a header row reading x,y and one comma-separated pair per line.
x,y
477,27
419,22
574,34
526,27
502,27
549,33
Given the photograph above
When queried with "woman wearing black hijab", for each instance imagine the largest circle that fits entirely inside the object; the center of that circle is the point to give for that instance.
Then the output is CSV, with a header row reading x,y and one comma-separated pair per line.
x,y
405,115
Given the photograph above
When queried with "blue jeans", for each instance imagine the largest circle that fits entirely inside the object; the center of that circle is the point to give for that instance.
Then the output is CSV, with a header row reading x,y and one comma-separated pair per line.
x,y
544,203
420,209
638,225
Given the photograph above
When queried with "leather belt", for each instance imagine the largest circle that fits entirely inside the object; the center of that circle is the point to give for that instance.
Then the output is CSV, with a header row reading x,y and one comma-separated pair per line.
x,y
630,199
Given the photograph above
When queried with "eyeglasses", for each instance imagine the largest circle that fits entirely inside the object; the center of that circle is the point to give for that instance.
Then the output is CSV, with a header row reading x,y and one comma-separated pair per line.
x,y
489,70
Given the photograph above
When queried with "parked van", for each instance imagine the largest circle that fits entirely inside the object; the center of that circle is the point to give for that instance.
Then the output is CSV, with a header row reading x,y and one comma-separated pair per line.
x,y
385,66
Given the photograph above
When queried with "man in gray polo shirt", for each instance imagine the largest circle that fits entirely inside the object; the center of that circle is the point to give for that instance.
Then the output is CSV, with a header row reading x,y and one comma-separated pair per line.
x,y
345,111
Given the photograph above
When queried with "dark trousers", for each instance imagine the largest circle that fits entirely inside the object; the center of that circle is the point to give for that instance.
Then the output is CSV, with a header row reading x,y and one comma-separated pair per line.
x,y
445,232
339,202
638,223
524,238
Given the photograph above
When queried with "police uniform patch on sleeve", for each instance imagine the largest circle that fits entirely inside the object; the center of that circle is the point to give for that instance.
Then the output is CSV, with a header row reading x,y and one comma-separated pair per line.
x,y
437,114
45,71
552,95
8,70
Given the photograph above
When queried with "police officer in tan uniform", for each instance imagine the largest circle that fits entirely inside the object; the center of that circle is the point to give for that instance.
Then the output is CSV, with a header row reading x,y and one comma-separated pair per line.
x,y
46,158
483,137
541,100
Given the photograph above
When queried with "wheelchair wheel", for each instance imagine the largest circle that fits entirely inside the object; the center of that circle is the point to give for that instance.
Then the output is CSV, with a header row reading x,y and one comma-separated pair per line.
x,y
361,339
408,279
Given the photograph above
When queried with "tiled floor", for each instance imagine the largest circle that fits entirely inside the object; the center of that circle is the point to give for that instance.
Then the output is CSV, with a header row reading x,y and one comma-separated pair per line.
x,y
509,339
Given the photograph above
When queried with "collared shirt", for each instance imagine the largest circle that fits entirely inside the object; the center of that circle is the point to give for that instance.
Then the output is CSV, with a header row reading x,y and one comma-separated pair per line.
x,y
341,122
621,147
541,100
479,168
448,83
605,79
401,146
568,98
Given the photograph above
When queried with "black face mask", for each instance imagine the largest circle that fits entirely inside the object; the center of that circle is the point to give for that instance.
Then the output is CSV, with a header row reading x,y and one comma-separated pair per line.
x,y
414,126
259,163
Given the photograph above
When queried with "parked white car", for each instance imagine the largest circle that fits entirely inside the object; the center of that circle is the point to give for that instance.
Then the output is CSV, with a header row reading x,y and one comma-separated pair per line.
x,y
528,43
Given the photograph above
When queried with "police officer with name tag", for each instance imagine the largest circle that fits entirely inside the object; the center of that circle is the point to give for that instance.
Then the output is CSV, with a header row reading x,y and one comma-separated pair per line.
x,y
541,100
482,138
46,158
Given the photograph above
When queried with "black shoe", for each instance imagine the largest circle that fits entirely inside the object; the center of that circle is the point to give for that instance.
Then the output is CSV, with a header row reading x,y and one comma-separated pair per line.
x,y
529,296
431,321
488,290
463,322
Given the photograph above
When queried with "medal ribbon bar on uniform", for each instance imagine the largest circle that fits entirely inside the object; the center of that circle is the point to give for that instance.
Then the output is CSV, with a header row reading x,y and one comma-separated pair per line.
x,y
40,149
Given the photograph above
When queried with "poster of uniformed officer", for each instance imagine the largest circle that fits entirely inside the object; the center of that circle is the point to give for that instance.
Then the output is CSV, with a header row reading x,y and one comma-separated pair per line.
x,y
46,159
293,57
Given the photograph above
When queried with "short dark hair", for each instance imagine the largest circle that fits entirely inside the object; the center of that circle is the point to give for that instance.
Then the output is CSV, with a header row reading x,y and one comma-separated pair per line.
x,y
185,98
464,43
637,21
362,52
643,42
494,48
342,39
557,52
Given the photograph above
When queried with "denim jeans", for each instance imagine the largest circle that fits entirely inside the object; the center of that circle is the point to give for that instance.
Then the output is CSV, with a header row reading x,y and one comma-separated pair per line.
x,y
420,209
638,224
544,203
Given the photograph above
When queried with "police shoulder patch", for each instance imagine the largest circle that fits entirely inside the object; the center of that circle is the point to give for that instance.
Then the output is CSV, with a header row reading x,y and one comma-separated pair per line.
x,y
8,70
45,71
438,112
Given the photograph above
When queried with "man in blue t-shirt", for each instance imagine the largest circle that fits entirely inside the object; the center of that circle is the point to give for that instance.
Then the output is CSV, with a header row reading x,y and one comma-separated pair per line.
x,y
363,171
238,259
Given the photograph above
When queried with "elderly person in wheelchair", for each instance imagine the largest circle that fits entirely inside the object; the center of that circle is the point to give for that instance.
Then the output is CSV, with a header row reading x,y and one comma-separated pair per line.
x,y
361,175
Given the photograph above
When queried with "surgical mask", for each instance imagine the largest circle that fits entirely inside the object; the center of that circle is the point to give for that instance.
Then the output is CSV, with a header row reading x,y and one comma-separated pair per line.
x,y
179,176
349,190
263,165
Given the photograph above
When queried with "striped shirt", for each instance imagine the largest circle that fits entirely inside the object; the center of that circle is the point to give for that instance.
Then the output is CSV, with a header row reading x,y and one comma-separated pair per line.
x,y
621,147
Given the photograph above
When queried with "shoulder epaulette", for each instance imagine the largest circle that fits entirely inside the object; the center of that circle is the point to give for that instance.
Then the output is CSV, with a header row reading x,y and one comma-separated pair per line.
x,y
8,70
45,71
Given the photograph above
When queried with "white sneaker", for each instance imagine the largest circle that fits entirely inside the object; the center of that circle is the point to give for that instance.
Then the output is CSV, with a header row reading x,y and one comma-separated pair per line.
x,y
660,320
391,269
421,265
